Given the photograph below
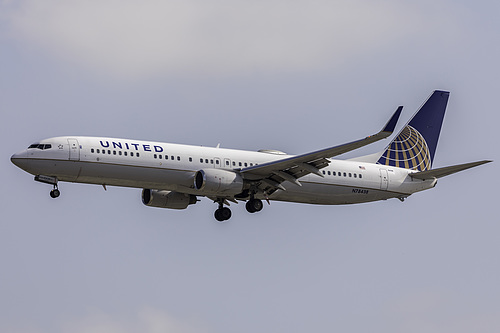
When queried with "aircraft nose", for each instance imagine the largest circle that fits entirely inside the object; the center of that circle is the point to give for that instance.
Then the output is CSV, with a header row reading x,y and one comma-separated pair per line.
x,y
20,159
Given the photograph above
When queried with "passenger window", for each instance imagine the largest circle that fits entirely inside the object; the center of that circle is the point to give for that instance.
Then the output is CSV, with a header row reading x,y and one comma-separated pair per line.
x,y
234,163
227,163
251,164
92,150
172,157
329,173
334,173
217,162
114,152
190,159
131,153
324,172
201,160
240,163
155,156
350,174
120,153
178,158
160,157
125,153
109,152
360,176
206,160
355,176
246,164
137,154
345,174
104,151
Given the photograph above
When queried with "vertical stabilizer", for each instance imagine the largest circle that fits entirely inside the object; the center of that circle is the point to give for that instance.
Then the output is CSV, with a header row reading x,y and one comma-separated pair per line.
x,y
415,146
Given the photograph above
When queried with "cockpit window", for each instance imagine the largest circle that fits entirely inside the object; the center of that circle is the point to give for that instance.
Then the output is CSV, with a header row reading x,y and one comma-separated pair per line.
x,y
40,146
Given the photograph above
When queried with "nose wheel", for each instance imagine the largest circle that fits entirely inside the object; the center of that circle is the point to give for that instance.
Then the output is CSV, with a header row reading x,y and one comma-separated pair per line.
x,y
55,193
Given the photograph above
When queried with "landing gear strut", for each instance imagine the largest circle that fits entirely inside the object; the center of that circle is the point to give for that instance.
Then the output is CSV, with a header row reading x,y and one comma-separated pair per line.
x,y
222,213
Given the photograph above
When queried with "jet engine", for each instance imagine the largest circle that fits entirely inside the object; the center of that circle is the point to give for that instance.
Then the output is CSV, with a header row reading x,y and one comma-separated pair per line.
x,y
167,199
218,182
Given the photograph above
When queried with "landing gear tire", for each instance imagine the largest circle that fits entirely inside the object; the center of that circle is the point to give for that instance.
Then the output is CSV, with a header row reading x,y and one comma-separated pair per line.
x,y
222,214
55,193
254,205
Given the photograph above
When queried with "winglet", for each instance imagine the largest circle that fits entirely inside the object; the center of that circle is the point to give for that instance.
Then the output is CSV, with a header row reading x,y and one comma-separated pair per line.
x,y
391,124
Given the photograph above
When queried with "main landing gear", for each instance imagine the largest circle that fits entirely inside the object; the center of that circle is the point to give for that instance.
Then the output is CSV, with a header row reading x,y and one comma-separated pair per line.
x,y
222,213
254,205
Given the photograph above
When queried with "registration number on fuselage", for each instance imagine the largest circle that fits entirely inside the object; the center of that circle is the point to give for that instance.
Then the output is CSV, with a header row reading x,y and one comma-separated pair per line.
x,y
359,191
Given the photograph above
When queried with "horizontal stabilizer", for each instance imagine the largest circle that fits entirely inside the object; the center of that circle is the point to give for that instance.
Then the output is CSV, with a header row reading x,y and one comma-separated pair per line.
x,y
441,172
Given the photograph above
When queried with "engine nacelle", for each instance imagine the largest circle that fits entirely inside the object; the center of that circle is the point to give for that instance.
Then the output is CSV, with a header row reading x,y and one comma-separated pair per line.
x,y
218,182
167,199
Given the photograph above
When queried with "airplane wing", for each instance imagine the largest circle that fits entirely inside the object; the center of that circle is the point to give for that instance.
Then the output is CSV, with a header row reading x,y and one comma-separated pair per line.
x,y
272,174
441,172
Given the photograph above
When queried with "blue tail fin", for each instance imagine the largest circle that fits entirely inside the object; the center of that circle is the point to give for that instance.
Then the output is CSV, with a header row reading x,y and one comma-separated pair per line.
x,y
414,147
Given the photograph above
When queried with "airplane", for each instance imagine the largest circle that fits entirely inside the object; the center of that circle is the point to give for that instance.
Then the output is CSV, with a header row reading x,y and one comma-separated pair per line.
x,y
174,176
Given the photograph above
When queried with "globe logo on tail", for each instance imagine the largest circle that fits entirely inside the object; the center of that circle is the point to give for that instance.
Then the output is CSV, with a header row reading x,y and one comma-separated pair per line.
x,y
408,150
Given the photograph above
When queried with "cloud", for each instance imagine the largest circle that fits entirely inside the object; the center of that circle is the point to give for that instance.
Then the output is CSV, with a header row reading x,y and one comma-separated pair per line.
x,y
148,320
131,39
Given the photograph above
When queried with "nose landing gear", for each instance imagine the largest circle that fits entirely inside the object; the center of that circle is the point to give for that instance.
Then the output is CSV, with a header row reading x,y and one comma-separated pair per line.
x,y
49,180
55,192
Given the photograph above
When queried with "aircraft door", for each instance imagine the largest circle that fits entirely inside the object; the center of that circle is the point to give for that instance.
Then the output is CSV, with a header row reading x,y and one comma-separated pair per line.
x,y
217,163
384,179
227,163
74,150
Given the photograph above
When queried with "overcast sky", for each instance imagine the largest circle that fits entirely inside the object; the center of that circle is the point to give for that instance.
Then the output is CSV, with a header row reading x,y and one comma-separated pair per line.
x,y
290,75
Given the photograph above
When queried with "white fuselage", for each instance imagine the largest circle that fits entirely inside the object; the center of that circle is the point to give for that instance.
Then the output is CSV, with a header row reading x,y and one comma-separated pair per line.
x,y
165,166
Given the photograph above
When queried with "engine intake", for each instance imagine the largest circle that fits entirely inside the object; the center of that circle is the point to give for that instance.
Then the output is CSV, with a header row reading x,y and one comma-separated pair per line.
x,y
167,199
218,181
